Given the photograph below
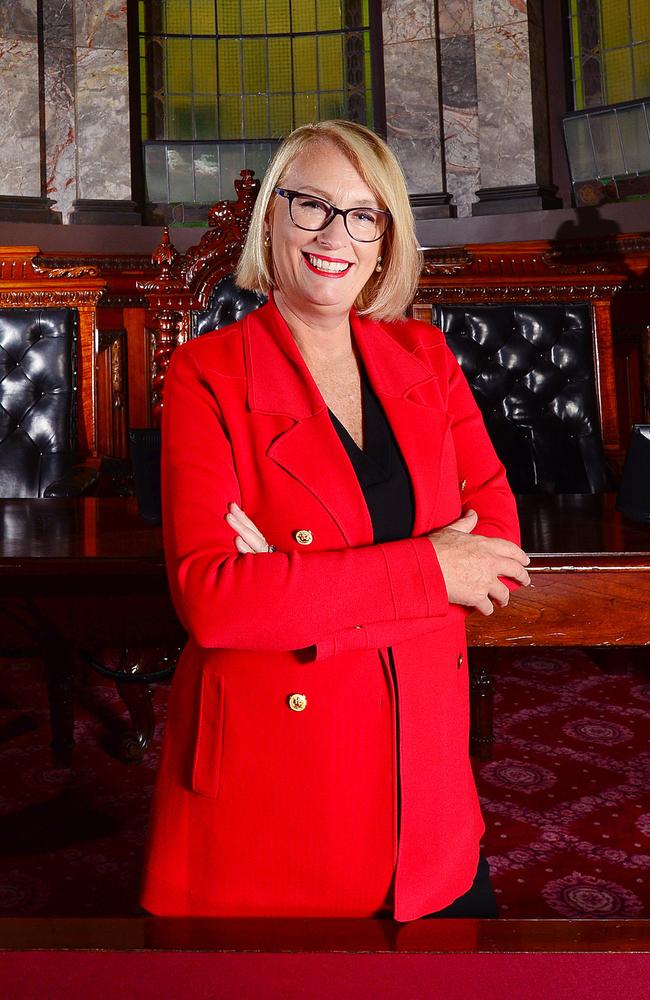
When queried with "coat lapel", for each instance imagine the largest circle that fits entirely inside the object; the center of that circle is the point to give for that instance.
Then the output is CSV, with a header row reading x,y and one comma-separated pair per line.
x,y
308,447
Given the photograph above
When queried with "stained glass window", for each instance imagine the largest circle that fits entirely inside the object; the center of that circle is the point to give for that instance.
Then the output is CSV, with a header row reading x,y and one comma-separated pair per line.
x,y
610,51
252,69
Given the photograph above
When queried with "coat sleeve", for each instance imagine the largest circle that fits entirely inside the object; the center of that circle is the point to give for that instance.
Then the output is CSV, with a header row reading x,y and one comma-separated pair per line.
x,y
485,490
280,601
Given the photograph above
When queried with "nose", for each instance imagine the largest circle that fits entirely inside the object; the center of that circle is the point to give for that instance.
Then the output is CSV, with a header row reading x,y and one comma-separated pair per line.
x,y
334,233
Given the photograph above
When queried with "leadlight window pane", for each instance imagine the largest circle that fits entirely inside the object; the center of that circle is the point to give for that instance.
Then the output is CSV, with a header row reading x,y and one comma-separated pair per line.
x,y
615,23
204,66
332,105
618,69
231,117
156,173
634,133
253,17
180,173
640,20
205,116
206,175
177,17
607,145
203,17
303,15
279,65
305,65
280,114
305,108
228,18
255,120
580,149
230,73
329,15
642,68
330,63
255,68
179,65
278,16
179,108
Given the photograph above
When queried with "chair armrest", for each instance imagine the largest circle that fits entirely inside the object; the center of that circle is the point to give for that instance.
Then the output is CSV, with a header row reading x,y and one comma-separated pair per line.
x,y
76,483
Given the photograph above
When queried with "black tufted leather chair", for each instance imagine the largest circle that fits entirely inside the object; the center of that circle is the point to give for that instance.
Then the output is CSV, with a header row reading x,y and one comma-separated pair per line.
x,y
531,370
227,304
38,406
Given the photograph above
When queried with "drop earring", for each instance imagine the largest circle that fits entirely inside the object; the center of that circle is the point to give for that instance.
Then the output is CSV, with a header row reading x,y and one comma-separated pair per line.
x,y
267,240
378,265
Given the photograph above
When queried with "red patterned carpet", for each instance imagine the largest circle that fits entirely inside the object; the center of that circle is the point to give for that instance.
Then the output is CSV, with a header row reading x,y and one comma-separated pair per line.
x,y
566,799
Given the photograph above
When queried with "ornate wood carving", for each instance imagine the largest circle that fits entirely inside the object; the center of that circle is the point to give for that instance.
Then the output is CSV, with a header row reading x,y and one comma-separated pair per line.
x,y
69,271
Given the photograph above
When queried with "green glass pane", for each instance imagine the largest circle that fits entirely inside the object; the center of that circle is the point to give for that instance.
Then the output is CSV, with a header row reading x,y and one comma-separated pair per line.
x,y
332,106
177,17
230,117
580,150
279,64
640,11
277,16
255,120
304,64
255,77
180,174
330,62
642,70
303,15
204,65
607,144
618,76
228,18
305,108
615,23
329,15
178,65
280,115
155,172
141,16
253,17
203,17
634,136
206,175
205,117
142,46
229,66
179,117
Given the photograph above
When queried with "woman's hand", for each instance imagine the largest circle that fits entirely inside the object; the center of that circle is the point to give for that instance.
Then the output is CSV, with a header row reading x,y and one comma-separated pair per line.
x,y
472,564
248,538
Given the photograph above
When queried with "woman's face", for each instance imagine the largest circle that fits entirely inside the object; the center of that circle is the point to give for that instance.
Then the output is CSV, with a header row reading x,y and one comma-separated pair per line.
x,y
321,273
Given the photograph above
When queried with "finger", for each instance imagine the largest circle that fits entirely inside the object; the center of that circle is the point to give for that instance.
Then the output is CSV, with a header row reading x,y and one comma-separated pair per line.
x,y
499,593
505,548
244,518
466,523
485,606
514,570
252,537
242,546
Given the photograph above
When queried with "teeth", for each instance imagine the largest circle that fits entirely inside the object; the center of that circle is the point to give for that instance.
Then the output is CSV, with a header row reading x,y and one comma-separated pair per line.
x,y
333,267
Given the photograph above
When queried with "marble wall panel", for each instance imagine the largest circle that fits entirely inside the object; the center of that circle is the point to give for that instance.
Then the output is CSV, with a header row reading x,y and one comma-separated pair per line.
x,y
413,112
59,85
101,24
455,17
459,102
408,20
20,141
18,19
103,140
506,128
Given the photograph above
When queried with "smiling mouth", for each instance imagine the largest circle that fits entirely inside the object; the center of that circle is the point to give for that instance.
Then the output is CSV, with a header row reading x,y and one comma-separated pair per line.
x,y
324,265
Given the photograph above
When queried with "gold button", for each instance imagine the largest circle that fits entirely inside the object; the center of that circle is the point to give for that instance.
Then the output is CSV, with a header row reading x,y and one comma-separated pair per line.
x,y
460,661
303,536
297,702
463,485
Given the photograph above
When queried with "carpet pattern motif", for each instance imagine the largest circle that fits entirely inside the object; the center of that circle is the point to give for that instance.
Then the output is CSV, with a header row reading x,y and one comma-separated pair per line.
x,y
566,798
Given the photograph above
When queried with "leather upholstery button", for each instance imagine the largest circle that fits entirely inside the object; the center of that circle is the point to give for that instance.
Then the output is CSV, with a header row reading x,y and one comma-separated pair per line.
x,y
297,702
303,536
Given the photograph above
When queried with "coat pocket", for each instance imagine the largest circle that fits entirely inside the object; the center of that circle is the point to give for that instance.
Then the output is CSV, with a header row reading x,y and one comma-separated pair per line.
x,y
209,739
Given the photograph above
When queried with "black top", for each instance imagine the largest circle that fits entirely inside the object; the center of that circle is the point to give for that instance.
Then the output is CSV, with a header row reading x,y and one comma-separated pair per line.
x,y
380,469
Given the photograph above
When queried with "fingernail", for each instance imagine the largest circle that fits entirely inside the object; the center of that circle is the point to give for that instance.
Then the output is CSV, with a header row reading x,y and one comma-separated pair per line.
x,y
233,504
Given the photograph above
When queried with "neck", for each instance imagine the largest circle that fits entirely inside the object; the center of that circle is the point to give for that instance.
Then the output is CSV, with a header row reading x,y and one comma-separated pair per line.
x,y
319,337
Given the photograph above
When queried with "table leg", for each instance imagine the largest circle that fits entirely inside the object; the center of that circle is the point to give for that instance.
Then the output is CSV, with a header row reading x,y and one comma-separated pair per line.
x,y
481,700
137,698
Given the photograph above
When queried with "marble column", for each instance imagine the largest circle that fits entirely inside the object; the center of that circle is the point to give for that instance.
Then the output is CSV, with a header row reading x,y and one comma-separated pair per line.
x,y
513,129
102,139
22,196
459,101
413,119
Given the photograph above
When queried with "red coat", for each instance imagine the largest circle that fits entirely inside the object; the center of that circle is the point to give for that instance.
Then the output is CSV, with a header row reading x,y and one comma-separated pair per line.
x,y
260,809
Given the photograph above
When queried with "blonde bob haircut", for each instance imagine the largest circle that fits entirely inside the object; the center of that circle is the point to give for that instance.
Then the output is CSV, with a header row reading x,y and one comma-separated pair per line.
x,y
387,294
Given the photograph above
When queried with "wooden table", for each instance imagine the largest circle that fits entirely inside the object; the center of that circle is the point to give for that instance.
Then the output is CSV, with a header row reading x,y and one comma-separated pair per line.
x,y
94,573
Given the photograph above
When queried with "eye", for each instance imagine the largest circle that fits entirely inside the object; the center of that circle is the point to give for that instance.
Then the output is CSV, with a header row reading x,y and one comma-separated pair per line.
x,y
365,216
306,204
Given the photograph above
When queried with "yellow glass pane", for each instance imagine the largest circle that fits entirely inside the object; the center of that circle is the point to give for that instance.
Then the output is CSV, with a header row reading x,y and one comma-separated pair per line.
x,y
204,65
304,64
618,76
642,70
640,11
177,17
179,117
330,17
277,16
280,115
279,64
228,18
178,64
332,106
253,17
230,118
330,62
141,16
615,24
229,66
255,124
303,15
203,17
305,108
255,79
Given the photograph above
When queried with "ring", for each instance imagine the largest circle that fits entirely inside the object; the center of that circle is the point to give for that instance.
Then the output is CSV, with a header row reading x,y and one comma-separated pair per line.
x,y
270,548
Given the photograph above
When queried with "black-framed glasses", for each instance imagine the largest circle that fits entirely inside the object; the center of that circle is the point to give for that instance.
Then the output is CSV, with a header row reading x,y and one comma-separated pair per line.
x,y
313,214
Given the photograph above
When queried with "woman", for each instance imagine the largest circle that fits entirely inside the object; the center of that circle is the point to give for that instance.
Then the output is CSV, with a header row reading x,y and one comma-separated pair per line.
x,y
332,507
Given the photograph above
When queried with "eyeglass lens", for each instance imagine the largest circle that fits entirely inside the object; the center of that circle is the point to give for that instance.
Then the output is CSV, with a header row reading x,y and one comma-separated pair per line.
x,y
363,224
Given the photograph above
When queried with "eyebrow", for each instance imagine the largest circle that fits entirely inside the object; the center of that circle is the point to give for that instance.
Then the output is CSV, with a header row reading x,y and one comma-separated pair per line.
x,y
311,189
